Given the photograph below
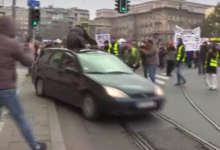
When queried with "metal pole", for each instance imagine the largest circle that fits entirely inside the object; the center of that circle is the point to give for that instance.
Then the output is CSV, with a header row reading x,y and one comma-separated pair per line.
x,y
32,31
14,10
34,35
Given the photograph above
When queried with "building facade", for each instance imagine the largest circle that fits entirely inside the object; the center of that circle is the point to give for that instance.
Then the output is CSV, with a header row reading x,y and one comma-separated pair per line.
x,y
209,11
56,22
21,19
145,20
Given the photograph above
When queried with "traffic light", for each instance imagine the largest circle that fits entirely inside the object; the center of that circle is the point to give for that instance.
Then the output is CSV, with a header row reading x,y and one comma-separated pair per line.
x,y
117,5
128,5
122,6
35,17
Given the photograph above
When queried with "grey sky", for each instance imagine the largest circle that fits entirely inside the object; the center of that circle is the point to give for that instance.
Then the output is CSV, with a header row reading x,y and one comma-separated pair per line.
x,y
91,5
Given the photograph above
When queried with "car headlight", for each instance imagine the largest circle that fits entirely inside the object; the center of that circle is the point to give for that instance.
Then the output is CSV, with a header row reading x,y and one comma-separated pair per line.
x,y
115,92
159,91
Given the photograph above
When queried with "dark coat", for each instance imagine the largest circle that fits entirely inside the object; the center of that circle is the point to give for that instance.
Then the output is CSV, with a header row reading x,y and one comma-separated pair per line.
x,y
11,52
78,39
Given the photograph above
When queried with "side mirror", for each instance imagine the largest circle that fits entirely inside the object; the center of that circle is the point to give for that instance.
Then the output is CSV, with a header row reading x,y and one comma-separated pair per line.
x,y
71,70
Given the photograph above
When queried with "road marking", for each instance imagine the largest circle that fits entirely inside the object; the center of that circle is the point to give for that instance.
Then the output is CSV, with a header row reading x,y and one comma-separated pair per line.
x,y
162,77
160,82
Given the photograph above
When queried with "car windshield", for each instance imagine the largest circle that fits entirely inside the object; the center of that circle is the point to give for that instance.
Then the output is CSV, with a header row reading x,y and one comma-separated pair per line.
x,y
101,63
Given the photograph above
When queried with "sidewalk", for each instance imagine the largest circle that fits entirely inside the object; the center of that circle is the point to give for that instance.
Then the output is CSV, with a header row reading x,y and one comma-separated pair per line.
x,y
42,116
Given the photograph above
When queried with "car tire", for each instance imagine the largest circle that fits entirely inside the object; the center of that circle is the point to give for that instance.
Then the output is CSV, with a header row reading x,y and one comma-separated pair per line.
x,y
89,108
39,87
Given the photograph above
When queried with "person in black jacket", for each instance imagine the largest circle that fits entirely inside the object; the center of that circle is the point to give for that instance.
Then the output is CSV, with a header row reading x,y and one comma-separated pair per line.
x,y
202,58
106,46
170,56
78,38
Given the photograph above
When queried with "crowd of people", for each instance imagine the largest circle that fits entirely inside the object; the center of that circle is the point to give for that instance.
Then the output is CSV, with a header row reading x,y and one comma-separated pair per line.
x,y
151,56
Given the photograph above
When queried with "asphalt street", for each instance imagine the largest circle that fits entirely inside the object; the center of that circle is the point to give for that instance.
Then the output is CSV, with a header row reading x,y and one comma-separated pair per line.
x,y
109,134
179,109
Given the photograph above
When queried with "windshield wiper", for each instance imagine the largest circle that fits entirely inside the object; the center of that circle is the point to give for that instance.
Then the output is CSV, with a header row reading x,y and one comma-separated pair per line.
x,y
117,72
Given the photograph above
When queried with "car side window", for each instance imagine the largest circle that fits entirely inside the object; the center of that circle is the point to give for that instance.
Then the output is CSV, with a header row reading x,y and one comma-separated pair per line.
x,y
44,56
55,60
68,61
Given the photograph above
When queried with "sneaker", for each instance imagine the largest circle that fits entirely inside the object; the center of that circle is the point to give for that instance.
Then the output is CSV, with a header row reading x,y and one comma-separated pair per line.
x,y
184,83
214,88
169,75
177,84
41,146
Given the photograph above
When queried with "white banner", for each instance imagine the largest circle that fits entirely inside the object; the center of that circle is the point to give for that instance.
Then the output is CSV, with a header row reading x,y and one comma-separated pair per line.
x,y
101,38
191,37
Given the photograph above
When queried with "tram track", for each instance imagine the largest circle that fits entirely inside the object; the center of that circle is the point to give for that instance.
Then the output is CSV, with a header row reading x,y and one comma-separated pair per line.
x,y
204,114
217,93
207,145
143,144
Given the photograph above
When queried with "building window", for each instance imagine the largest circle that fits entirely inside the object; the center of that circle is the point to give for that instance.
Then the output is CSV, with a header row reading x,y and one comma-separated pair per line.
x,y
168,27
177,18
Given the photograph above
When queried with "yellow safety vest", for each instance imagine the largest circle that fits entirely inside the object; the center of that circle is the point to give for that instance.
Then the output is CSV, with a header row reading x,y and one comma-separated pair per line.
x,y
115,49
126,56
109,48
133,54
213,62
133,51
179,53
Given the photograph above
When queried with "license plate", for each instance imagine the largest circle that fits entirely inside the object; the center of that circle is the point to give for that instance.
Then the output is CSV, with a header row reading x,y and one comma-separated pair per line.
x,y
146,105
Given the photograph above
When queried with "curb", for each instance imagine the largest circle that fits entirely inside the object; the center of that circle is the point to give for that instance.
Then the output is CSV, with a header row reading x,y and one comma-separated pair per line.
x,y
57,142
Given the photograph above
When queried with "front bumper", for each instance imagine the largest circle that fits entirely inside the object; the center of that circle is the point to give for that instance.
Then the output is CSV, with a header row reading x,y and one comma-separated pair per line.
x,y
130,106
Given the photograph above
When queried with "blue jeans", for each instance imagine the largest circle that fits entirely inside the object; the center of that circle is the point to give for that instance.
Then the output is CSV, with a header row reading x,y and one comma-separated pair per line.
x,y
201,67
9,99
1,112
180,78
146,71
152,72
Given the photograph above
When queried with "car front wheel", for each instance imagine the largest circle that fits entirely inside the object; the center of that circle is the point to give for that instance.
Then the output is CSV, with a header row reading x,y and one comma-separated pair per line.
x,y
89,108
39,86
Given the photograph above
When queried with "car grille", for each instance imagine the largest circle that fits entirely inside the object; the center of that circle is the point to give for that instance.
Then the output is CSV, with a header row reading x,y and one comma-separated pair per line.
x,y
142,95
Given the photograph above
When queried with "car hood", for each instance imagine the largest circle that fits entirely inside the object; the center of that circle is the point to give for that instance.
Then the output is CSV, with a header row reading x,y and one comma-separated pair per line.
x,y
128,83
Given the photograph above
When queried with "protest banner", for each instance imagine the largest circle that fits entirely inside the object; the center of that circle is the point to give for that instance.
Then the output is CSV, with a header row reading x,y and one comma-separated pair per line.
x,y
101,38
191,37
